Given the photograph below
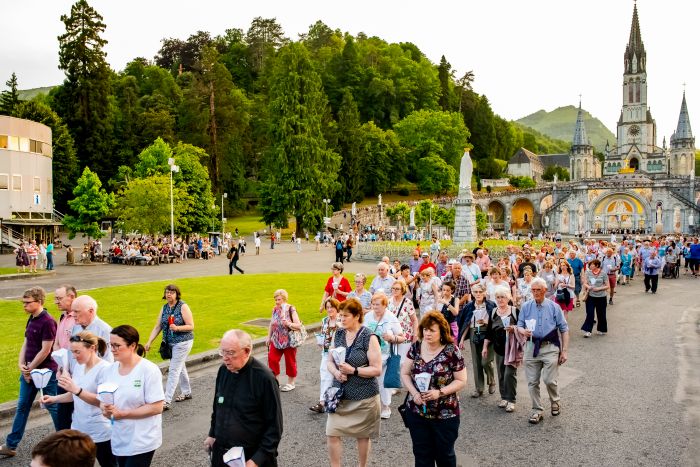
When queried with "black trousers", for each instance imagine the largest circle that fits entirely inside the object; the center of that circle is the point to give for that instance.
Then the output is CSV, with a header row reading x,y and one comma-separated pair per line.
x,y
65,412
139,460
651,281
433,440
104,454
232,265
596,306
338,256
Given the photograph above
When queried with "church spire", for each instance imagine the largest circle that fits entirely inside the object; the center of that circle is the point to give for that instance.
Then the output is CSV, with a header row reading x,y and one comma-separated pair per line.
x,y
580,135
683,130
635,55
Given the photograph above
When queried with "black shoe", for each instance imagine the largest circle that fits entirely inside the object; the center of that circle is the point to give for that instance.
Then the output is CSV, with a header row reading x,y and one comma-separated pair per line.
x,y
610,302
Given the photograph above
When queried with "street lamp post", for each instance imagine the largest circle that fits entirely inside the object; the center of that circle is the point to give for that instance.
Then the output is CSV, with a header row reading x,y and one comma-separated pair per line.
x,y
173,169
326,201
223,219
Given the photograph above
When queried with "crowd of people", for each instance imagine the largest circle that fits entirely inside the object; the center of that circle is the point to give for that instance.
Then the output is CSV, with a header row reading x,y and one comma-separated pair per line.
x,y
407,332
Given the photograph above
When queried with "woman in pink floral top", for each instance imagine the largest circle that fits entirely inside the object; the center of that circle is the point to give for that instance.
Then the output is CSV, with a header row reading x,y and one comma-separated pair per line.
x,y
433,374
401,306
284,319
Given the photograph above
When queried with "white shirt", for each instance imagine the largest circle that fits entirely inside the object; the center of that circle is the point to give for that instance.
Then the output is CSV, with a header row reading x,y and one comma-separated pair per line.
x,y
86,417
257,242
143,385
388,323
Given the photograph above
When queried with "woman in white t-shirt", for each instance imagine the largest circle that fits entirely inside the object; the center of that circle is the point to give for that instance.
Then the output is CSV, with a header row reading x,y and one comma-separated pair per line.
x,y
81,389
386,326
138,401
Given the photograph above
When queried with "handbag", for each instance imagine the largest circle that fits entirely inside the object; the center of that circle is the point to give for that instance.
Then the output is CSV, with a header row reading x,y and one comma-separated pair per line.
x,y
563,295
332,398
392,374
297,337
583,295
403,411
166,352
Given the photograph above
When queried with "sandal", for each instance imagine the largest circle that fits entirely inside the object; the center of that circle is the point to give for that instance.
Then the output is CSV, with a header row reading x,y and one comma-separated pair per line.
x,y
287,387
476,394
556,409
510,407
535,418
318,408
166,406
183,397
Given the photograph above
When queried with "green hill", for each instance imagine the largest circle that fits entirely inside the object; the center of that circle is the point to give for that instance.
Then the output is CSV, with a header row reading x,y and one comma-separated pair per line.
x,y
560,123
29,94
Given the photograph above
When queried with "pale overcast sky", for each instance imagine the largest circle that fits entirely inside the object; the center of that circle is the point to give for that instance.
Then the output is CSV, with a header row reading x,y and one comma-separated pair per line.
x,y
526,55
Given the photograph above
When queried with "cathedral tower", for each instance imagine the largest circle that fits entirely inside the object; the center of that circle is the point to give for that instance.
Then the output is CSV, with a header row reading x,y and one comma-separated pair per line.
x,y
583,163
682,155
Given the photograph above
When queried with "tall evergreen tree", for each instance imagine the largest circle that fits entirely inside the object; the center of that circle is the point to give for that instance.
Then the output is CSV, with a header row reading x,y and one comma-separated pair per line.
x,y
9,100
299,169
350,146
445,77
83,101
264,37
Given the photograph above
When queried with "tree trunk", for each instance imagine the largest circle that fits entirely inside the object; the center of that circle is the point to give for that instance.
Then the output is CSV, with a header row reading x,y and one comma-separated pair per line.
x,y
299,229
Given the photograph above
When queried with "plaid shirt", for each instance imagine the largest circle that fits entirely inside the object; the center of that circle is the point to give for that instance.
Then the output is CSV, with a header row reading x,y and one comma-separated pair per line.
x,y
462,286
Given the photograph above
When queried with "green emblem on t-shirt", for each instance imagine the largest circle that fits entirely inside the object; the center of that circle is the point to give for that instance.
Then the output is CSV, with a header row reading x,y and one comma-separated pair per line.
x,y
137,383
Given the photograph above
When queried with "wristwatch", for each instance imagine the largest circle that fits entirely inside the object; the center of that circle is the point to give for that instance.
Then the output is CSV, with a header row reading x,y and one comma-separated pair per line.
x,y
356,372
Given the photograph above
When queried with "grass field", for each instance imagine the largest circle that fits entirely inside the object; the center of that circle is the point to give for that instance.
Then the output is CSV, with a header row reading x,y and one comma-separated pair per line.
x,y
8,271
218,303
250,223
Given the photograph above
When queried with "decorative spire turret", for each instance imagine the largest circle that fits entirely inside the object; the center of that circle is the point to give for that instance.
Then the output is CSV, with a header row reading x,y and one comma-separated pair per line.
x,y
635,55
580,135
683,130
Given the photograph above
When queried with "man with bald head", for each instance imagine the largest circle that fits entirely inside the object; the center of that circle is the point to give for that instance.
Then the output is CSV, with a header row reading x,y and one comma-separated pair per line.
x,y
247,411
84,311
382,281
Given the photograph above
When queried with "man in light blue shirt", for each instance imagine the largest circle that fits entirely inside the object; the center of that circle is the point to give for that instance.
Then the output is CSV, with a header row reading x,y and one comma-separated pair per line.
x,y
382,281
546,351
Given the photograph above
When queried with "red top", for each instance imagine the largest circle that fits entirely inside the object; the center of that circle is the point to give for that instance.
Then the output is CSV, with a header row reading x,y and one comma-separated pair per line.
x,y
344,285
426,266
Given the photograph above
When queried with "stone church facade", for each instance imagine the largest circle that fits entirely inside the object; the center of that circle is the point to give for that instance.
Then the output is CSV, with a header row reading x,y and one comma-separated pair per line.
x,y
638,187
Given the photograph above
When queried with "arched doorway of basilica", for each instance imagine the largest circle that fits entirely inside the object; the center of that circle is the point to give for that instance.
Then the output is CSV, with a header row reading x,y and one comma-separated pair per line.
x,y
522,215
619,212
496,213
634,164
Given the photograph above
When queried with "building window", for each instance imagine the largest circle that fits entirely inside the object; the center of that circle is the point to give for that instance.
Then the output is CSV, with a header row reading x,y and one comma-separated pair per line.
x,y
13,143
3,141
35,146
24,144
17,182
4,182
37,184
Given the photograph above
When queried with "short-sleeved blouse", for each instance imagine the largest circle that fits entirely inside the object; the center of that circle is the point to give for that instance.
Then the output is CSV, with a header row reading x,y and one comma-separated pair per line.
x,y
279,333
442,368
356,387
343,285
403,312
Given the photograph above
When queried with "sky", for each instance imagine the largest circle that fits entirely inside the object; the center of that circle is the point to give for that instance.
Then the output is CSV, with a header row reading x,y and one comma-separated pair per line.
x,y
526,55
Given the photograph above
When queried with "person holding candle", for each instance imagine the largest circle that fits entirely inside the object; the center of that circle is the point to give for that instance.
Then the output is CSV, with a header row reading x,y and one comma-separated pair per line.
x,y
329,325
177,324
136,410
501,326
39,336
337,286
433,409
81,389
548,347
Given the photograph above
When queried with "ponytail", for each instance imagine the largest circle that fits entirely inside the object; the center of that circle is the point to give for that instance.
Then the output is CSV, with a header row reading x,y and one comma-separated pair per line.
x,y
101,347
140,350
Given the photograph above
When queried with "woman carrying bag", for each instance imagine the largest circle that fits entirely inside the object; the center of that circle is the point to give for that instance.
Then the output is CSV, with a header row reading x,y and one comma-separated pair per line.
x,y
176,322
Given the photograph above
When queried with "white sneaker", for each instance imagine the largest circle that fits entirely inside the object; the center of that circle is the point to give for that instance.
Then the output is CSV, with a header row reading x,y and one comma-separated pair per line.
x,y
385,414
586,334
503,404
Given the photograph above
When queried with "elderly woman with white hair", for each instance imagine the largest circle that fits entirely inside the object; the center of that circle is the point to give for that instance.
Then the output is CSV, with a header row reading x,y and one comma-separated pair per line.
x,y
473,319
361,293
500,328
428,290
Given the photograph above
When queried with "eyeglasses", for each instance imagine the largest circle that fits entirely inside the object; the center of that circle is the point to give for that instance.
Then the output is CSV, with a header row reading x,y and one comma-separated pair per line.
x,y
227,353
396,288
27,303
115,346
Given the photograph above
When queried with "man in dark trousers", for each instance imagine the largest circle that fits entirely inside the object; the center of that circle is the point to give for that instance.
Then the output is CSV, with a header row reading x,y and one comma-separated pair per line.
x,y
247,411
233,256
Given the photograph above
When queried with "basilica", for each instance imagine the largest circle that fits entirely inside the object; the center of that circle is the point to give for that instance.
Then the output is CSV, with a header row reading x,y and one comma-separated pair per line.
x,y
638,186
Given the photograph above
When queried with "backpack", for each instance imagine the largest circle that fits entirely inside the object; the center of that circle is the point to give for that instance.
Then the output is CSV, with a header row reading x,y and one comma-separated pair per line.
x,y
231,252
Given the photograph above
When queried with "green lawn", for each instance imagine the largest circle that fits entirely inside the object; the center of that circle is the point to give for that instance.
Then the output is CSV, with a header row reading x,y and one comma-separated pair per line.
x,y
250,223
218,304
8,271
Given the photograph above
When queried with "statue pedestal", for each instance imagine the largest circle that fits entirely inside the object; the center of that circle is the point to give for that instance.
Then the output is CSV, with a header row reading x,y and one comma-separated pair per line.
x,y
465,220
659,228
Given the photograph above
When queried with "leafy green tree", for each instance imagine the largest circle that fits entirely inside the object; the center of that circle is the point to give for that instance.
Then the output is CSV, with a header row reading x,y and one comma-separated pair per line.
x,y
350,142
445,76
482,221
91,204
523,182
264,37
83,102
435,175
177,55
383,159
64,162
299,169
9,100
445,217
399,212
432,133
561,172
143,205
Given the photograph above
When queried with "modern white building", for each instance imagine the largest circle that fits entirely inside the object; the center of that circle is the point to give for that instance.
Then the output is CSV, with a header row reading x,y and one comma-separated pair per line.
x,y
26,181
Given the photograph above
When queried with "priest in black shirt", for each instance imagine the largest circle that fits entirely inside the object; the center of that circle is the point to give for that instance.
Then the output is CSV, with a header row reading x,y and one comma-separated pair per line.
x,y
246,410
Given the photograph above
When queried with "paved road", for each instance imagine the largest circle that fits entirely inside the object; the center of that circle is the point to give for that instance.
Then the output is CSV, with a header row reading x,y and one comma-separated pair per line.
x,y
629,398
283,258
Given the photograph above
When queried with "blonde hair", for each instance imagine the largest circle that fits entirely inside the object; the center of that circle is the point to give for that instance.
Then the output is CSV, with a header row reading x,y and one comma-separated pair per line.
x,y
381,296
281,293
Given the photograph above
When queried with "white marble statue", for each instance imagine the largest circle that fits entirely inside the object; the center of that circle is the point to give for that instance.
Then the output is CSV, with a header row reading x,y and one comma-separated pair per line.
x,y
581,218
354,209
691,219
412,218
379,201
466,167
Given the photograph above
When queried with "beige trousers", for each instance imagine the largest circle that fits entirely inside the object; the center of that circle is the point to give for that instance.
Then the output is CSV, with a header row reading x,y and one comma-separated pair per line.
x,y
546,367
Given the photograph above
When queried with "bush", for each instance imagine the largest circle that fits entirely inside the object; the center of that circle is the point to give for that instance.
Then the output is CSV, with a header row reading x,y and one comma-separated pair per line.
x,y
522,182
488,188
404,192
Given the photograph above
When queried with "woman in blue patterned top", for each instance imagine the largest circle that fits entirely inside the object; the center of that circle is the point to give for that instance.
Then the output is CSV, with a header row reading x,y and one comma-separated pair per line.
x,y
177,325
433,405
324,340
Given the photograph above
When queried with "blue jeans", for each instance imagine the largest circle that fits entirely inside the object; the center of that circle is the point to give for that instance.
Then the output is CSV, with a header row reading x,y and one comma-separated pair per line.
x,y
27,394
49,261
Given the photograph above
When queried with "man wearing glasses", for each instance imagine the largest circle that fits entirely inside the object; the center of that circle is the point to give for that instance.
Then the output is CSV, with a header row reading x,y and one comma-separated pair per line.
x,y
545,351
247,410
63,297
39,336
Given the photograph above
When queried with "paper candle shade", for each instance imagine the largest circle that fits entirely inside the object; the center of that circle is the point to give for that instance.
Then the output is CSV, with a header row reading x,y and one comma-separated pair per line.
x,y
105,392
41,377
235,457
60,356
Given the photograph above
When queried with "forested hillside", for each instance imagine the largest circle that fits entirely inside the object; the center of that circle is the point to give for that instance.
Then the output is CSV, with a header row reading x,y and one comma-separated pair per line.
x,y
277,120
